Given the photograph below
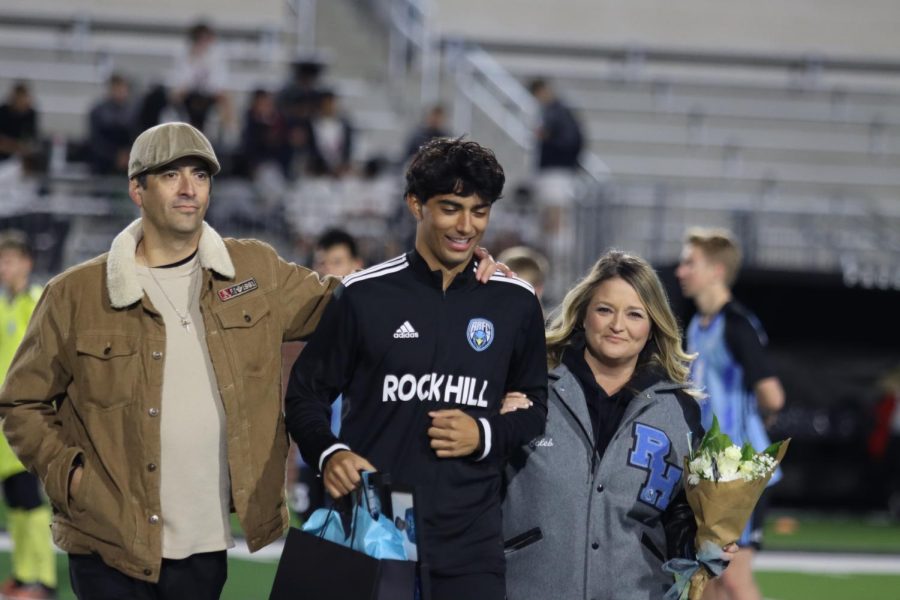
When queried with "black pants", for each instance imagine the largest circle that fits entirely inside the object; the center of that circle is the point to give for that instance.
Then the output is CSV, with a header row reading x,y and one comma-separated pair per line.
x,y
477,586
197,577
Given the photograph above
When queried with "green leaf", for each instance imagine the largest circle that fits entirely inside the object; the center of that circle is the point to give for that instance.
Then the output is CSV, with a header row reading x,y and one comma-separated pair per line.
x,y
715,440
747,452
773,449
707,442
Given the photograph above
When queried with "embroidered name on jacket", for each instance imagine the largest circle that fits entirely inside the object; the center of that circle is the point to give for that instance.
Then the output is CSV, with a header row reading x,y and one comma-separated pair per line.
x,y
435,387
651,447
238,289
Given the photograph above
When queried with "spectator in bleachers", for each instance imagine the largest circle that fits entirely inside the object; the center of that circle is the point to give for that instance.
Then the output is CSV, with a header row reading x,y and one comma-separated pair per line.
x,y
528,264
200,78
263,140
330,137
112,128
559,133
18,124
298,99
434,126
153,107
297,102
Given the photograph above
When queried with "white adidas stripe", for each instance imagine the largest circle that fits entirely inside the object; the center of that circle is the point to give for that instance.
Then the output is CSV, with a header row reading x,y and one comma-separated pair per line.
x,y
514,280
399,260
363,275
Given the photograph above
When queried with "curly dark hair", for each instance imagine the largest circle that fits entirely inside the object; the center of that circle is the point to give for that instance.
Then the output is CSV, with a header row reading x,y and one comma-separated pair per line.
x,y
454,166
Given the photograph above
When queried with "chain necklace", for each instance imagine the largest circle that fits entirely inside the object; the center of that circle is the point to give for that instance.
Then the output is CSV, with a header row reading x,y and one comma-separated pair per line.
x,y
185,321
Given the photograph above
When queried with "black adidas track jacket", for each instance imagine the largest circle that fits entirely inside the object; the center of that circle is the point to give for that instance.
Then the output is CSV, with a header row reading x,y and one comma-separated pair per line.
x,y
397,346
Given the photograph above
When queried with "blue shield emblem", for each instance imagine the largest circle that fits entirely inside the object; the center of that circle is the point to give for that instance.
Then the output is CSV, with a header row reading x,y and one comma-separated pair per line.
x,y
480,334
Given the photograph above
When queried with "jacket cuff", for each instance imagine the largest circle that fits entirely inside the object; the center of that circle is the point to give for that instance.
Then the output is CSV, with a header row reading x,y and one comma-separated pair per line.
x,y
58,472
328,452
484,444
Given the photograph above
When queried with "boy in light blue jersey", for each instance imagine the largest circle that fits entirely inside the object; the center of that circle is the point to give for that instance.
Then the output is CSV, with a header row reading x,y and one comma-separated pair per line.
x,y
733,369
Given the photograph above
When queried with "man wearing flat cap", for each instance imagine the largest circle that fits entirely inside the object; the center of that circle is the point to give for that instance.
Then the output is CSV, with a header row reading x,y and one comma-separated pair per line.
x,y
146,394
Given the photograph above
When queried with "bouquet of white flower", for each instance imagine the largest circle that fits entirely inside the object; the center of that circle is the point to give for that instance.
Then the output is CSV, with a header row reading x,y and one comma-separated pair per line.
x,y
724,483
720,460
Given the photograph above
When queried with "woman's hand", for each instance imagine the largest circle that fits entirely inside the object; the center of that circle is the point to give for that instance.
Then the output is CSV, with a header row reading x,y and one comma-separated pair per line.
x,y
514,401
729,551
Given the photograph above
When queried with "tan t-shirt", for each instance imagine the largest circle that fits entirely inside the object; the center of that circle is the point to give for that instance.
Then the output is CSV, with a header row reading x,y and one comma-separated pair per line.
x,y
195,489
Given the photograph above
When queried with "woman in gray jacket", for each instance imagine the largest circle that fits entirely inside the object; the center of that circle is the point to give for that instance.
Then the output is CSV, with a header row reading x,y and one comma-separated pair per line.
x,y
595,506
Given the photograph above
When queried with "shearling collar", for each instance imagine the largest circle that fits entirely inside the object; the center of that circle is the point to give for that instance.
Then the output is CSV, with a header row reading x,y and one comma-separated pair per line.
x,y
121,275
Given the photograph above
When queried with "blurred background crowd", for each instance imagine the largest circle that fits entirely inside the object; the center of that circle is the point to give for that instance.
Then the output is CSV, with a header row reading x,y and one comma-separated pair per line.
x,y
618,124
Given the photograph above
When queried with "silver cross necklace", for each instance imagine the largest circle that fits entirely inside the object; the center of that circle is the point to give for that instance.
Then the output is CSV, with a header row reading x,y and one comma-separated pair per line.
x,y
185,320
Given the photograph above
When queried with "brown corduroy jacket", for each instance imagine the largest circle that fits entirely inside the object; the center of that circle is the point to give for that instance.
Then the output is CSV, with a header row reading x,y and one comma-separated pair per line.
x,y
85,387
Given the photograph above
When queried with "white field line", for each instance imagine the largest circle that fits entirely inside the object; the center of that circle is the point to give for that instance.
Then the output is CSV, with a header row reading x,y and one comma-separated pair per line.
x,y
270,553
827,563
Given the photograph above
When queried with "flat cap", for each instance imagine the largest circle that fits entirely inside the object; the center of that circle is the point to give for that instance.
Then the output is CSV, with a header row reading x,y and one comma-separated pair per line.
x,y
167,142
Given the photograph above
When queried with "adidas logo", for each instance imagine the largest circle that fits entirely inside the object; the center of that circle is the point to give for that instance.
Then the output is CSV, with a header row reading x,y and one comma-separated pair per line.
x,y
405,331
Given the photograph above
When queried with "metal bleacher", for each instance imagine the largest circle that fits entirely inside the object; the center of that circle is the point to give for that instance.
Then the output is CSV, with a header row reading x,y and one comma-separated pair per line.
x,y
797,153
66,52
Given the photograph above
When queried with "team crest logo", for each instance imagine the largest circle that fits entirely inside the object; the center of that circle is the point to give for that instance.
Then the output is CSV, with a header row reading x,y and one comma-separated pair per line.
x,y
480,334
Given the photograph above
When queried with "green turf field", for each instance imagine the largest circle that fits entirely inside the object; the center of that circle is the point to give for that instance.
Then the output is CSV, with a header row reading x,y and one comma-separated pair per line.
x,y
252,580
833,533
802,586
248,580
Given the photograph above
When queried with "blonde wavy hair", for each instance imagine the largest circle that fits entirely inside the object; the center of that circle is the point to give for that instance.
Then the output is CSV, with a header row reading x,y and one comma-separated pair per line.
x,y
663,346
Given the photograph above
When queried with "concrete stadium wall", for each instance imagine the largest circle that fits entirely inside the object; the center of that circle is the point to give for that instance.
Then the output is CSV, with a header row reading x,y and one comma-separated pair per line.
x,y
865,28
218,12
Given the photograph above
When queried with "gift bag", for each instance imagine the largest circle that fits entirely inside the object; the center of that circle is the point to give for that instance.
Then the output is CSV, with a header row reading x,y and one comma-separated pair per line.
x,y
312,568
362,525
352,554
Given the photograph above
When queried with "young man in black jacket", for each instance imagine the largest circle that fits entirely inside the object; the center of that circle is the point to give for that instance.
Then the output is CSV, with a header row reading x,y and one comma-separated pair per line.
x,y
423,355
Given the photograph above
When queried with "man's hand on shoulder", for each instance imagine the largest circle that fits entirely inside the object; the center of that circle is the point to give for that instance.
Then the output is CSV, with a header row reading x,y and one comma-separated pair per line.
x,y
453,433
341,473
487,266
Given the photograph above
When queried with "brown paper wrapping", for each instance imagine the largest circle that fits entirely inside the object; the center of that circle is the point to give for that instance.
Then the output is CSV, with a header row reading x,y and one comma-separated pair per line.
x,y
721,510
